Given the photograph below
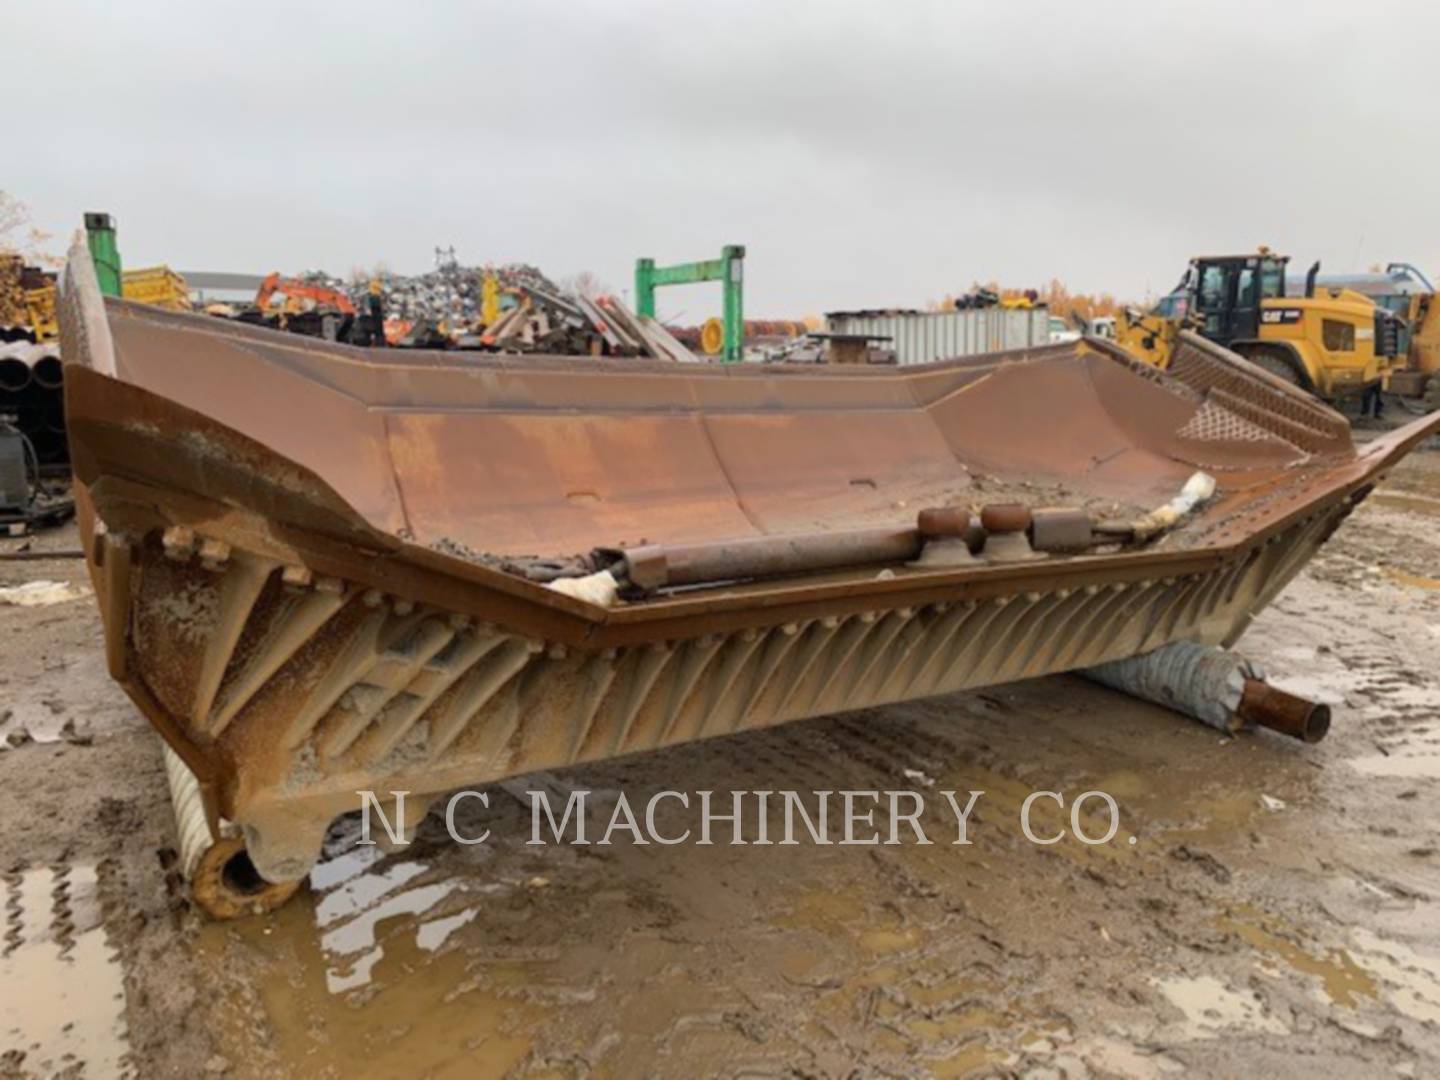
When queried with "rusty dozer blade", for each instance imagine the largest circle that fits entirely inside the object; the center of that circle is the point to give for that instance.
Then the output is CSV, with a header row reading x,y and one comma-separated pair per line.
x,y
324,570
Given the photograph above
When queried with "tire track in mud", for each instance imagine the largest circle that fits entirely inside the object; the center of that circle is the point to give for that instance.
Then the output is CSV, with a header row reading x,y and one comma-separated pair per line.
x,y
1359,631
1384,674
65,1005
921,991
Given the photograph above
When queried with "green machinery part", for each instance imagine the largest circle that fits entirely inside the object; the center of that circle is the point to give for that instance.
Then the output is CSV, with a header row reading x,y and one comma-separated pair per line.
x,y
729,268
100,233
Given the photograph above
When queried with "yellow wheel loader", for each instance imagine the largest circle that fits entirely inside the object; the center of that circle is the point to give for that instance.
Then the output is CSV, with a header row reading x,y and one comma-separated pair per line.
x,y
1402,288
1332,342
1423,355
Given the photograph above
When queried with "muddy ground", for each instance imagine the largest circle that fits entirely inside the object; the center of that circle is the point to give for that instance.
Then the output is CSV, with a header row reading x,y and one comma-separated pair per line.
x,y
1277,914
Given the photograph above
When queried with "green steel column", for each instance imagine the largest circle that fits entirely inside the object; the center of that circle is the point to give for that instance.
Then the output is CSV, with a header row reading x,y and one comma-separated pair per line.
x,y
100,234
645,288
733,257
728,269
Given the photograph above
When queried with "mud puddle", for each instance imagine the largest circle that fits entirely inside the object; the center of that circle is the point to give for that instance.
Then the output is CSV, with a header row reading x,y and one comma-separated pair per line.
x,y
355,978
1340,980
941,958
65,999
1411,977
1211,1008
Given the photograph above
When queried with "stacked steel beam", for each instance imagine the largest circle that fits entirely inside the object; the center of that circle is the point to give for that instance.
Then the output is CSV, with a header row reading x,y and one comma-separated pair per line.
x,y
32,396
573,325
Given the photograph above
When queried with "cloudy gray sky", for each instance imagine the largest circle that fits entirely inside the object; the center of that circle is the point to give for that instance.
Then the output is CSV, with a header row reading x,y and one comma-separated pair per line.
x,y
866,153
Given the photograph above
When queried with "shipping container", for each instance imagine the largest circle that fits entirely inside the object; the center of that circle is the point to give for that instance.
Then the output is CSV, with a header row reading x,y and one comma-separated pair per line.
x,y
919,337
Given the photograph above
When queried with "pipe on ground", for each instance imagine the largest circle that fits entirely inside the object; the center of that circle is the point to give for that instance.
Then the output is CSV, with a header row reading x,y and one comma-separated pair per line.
x,y
49,372
1289,714
223,881
14,374
1216,687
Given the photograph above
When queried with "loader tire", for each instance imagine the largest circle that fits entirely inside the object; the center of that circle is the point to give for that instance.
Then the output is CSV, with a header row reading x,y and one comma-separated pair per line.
x,y
1278,366
1431,397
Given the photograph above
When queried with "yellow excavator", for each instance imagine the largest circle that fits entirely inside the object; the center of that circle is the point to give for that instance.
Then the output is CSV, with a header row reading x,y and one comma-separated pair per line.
x,y
1333,342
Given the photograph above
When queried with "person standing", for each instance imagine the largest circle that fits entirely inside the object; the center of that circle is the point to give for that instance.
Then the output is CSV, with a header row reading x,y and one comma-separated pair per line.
x,y
375,303
1371,403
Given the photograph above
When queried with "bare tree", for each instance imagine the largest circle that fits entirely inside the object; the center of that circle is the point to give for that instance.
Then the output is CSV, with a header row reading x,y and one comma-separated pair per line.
x,y
13,219
19,237
586,284
361,276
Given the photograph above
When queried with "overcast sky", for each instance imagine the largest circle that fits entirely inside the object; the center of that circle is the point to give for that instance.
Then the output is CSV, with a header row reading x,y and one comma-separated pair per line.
x,y
867,154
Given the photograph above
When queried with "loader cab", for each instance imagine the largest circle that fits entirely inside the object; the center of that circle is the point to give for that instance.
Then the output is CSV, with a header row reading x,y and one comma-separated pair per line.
x,y
1225,293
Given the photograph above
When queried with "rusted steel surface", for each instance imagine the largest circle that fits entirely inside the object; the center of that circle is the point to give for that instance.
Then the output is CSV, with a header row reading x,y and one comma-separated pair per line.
x,y
298,546
1281,711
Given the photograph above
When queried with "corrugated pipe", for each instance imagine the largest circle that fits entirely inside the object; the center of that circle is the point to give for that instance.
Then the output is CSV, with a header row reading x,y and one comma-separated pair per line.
x,y
192,829
1216,687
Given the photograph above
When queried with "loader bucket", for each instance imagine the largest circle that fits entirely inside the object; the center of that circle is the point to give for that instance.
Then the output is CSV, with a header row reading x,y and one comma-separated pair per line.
x,y
324,569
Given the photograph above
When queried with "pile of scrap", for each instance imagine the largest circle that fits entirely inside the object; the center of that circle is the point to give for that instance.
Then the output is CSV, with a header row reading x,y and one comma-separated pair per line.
x,y
451,293
509,309
27,307
12,298
573,325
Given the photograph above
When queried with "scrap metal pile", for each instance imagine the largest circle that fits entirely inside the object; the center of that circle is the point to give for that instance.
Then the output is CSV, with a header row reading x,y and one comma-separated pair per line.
x,y
512,308
20,288
12,299
729,548
449,293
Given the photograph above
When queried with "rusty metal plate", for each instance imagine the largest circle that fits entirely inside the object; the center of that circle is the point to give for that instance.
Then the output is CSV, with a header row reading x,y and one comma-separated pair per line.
x,y
298,547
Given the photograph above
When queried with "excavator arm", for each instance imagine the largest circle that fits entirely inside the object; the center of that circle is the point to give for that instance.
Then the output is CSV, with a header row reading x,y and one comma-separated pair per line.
x,y
300,290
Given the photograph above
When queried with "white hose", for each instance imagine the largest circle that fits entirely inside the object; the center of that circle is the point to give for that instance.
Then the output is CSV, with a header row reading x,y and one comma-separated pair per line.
x,y
1197,489
191,824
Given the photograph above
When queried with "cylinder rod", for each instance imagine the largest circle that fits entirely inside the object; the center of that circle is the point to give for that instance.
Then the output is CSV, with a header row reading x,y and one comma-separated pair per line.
x,y
655,566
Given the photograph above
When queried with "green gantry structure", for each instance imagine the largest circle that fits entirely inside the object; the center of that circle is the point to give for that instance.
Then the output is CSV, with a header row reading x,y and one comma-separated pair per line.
x,y
729,268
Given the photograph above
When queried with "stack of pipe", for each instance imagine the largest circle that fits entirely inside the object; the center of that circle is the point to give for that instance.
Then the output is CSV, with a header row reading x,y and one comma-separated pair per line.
x,y
32,397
